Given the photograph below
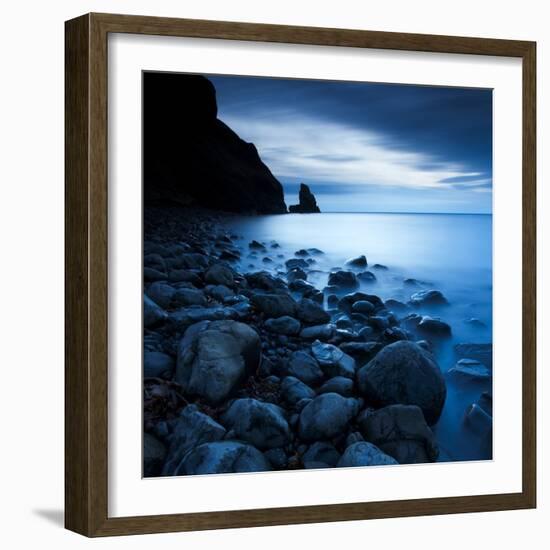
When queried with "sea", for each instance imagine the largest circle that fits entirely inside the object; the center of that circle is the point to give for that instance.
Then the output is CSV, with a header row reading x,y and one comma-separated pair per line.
x,y
448,252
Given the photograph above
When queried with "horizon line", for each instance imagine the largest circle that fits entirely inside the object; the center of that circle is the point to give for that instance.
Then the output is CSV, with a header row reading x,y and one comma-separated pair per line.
x,y
403,212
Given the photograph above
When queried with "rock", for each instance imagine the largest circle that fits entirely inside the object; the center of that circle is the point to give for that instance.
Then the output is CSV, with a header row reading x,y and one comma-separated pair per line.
x,y
404,373
380,267
157,364
333,361
296,263
367,277
485,401
378,322
435,328
219,292
429,298
277,458
283,325
322,451
213,357
296,274
262,280
261,424
361,351
301,286
193,260
161,293
319,332
187,316
479,352
302,253
220,274
293,390
315,251
362,306
255,245
343,280
223,457
470,370
307,205
359,261
152,314
401,432
338,384
192,157
326,416
191,428
364,454
303,366
346,303
332,300
189,297
311,313
396,305
154,453
185,276
274,305
478,421
151,275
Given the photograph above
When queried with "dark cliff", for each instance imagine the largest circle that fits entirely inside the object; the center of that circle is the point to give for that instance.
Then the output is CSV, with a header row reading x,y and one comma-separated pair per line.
x,y
190,157
308,204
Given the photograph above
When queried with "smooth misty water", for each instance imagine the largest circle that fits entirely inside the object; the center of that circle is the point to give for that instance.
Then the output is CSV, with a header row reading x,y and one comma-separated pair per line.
x,y
448,252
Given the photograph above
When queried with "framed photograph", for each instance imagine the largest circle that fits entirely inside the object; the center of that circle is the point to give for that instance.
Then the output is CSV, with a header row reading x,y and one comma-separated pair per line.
x,y
300,275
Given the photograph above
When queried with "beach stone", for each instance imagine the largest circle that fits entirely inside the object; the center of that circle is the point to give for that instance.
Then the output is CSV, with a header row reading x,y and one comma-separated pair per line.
x,y
274,305
469,370
322,451
404,373
361,351
161,293
185,276
367,277
294,263
332,301
218,292
296,274
154,453
401,432
193,261
347,301
189,297
151,275
152,313
429,298
319,332
255,245
154,261
396,305
220,274
315,251
338,384
301,286
363,453
189,315
261,424
191,428
262,280
283,325
214,357
157,364
326,416
343,280
359,261
379,322
294,390
333,361
479,352
277,458
434,327
223,457
380,267
301,253
303,366
311,313
362,306
478,421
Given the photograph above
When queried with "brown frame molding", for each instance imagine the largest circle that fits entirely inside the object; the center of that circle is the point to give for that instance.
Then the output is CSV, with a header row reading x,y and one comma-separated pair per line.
x,y
86,273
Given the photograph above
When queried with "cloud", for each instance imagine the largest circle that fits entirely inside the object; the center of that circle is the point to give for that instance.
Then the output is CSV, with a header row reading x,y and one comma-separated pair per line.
x,y
294,145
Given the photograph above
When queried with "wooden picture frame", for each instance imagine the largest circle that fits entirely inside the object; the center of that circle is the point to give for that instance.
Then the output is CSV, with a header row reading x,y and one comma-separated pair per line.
x,y
86,414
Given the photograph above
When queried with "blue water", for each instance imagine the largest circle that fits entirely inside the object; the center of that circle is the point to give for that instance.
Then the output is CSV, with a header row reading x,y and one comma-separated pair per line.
x,y
448,252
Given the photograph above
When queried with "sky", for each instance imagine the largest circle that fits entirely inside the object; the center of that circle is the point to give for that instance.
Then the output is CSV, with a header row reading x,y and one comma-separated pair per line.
x,y
368,147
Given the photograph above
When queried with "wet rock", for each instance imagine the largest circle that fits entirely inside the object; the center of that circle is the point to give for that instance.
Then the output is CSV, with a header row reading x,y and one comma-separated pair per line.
x,y
311,313
262,280
296,263
346,303
359,261
154,453
303,366
322,451
404,373
434,328
344,280
364,454
218,292
213,357
396,305
478,421
274,305
161,293
294,390
479,352
307,204
429,298
255,245
223,457
188,297
296,274
474,322
401,432
151,275
277,458
283,325
157,364
380,267
367,277
319,332
220,274
338,384
152,314
187,316
469,370
362,306
261,424
332,300
361,351
302,253
332,360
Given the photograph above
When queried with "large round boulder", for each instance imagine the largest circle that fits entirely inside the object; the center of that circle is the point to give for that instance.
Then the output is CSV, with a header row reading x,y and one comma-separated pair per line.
x,y
214,356
404,373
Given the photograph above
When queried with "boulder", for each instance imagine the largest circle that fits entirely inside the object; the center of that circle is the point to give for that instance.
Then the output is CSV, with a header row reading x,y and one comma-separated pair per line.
x,y
359,261
367,277
189,297
296,263
401,432
307,204
223,457
157,364
296,274
362,453
283,325
344,280
338,384
469,370
220,274
346,303
262,280
303,366
332,360
327,416
260,424
161,293
154,453
213,357
311,313
429,298
435,328
479,352
191,428
319,332
404,373
219,292
363,306
274,305
294,390
322,451
153,315
361,351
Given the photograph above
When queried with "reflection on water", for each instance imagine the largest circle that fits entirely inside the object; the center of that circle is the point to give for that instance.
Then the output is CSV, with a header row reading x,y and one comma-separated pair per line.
x,y
449,252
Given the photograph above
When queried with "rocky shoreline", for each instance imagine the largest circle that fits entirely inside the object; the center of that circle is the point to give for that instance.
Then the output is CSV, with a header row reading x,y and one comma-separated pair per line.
x,y
261,370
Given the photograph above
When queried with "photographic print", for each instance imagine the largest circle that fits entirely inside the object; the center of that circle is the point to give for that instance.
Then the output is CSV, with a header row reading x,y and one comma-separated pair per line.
x,y
317,274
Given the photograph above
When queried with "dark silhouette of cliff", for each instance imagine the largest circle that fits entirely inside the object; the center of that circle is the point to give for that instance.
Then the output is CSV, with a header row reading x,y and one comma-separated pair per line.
x,y
308,204
190,157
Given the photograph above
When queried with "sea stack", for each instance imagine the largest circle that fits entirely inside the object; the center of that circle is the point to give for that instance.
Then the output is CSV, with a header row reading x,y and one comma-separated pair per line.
x,y
308,204
191,158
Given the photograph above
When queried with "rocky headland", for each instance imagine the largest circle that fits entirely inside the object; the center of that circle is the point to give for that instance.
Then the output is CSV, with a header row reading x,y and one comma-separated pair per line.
x,y
307,203
257,370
